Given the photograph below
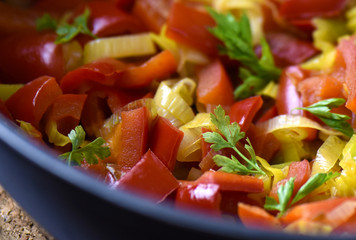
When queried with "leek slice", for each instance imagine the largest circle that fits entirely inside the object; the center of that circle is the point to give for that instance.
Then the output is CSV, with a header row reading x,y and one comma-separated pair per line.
x,y
345,184
327,155
289,128
276,173
6,90
190,147
351,19
29,129
270,90
171,101
73,55
308,227
164,42
119,47
54,136
182,53
326,35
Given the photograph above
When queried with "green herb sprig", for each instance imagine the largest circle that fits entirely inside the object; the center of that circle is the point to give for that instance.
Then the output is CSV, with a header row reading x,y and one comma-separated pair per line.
x,y
336,121
232,135
66,32
236,36
285,192
90,152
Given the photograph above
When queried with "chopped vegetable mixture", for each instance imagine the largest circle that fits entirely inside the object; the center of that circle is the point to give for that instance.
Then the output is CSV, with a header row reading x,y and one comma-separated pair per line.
x,y
241,109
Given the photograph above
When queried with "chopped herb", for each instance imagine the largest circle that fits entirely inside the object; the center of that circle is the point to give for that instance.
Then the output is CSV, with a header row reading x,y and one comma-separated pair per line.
x,y
285,192
237,38
90,152
336,121
46,22
66,32
232,134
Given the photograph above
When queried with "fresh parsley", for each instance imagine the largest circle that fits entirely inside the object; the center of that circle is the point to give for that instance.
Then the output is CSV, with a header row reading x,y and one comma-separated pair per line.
x,y
236,36
232,135
336,121
285,192
90,152
65,31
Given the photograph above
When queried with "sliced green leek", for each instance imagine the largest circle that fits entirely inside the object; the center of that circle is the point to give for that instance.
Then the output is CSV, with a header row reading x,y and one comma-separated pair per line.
x,y
345,184
328,154
270,90
171,102
54,136
29,129
276,173
119,47
6,90
289,128
164,42
190,147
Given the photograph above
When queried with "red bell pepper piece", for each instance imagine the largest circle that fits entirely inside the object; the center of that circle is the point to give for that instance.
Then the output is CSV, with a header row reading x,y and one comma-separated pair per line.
x,y
126,5
153,13
245,110
108,20
315,89
289,50
14,19
149,177
232,182
34,53
288,97
300,170
30,102
111,72
66,111
104,72
165,141
204,197
313,210
230,200
307,9
257,218
347,49
214,86
266,145
132,143
270,113
158,67
180,28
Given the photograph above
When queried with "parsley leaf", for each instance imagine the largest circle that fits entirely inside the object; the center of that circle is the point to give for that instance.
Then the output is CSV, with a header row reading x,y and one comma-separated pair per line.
x,y
336,121
232,134
90,152
285,192
314,182
237,38
65,32
46,22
